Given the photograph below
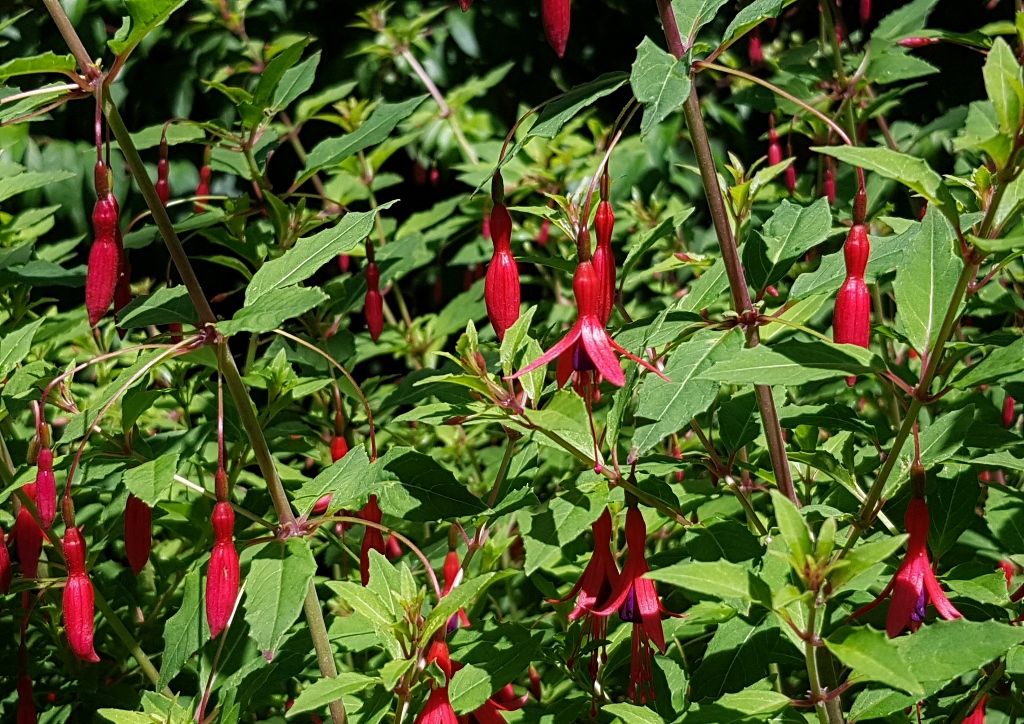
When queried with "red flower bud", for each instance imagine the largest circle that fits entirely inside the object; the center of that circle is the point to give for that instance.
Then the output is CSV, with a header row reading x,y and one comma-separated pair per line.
x,y
755,51
339,448
222,577
915,42
1009,412
545,232
435,176
829,185
604,258
501,288
5,565
104,260
555,16
322,504
535,684
373,538
791,178
203,189
465,4
865,11
374,302
26,707
851,323
78,598
163,188
46,488
344,261
392,548
28,537
138,533
175,330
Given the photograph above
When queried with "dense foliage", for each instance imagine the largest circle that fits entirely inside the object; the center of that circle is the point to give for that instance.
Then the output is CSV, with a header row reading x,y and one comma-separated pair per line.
x,y
511,361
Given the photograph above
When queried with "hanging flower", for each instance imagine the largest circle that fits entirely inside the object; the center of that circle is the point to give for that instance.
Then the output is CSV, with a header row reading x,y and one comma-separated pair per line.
x,y
978,715
504,699
373,538
452,577
914,584
591,348
637,601
438,709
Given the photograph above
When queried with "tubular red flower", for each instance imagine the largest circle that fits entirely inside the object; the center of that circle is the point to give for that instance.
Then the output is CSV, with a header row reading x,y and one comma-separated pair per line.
x,y
339,448
755,49
604,258
596,349
865,11
392,548
1009,412
203,190
452,572
222,577
374,302
914,584
104,260
544,233
28,537
373,538
501,287
5,565
163,188
438,709
774,147
79,605
791,178
344,261
46,488
851,322
138,533
637,601
555,15
26,706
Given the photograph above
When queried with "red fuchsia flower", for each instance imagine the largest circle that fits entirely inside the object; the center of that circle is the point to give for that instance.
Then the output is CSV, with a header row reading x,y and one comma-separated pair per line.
x,y
504,699
604,257
46,488
636,599
453,577
163,188
914,584
555,15
374,302
223,576
978,715
755,49
501,287
865,11
438,709
588,342
138,533
203,190
26,706
600,578
28,537
79,598
104,259
392,548
5,565
1009,412
373,538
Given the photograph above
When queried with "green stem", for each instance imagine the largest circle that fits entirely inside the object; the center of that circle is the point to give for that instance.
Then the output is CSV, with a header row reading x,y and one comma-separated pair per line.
x,y
324,654
502,469
129,642
810,658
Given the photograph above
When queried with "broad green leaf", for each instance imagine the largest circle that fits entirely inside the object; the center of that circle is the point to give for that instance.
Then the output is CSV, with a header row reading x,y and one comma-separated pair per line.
x,y
886,255
326,690
270,311
384,119
145,16
495,655
177,133
944,650
790,232
119,716
1004,514
756,703
150,481
516,337
30,180
794,363
344,481
310,253
279,579
48,62
1004,86
186,629
162,307
660,82
939,442
692,15
460,596
873,657
416,488
952,499
557,113
706,289
82,421
737,656
366,602
925,280
1000,363
470,688
738,421
671,405
295,82
275,70
793,527
907,20
644,244
16,345
862,558
720,579
632,714
753,15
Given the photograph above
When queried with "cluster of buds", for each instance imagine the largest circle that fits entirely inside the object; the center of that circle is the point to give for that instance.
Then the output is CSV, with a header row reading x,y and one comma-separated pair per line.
x,y
851,323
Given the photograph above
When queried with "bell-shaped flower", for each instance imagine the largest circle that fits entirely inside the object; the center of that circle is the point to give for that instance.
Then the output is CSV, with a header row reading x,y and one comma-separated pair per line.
x,y
438,709
504,699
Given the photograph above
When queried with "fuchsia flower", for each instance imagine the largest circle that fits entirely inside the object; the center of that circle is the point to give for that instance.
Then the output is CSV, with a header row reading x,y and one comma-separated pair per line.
x,y
453,577
914,584
637,602
438,709
978,715
587,346
504,699
373,538
595,586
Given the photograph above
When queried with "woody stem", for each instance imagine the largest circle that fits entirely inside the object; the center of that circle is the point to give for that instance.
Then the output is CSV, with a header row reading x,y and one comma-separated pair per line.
x,y
730,256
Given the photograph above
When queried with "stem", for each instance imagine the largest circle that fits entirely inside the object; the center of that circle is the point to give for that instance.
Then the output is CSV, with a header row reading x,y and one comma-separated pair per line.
x,y
126,638
67,30
421,73
502,470
817,696
322,645
975,700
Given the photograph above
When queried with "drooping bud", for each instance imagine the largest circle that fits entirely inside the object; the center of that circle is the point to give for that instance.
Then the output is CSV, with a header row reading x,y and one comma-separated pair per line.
x,y
851,322
865,11
123,290
604,258
138,533
28,537
26,706
104,260
222,578
5,565
829,184
791,178
535,684
555,15
501,288
755,48
46,488
163,188
175,330
203,189
1009,412
544,234
392,548
339,448
917,42
344,262
774,146
373,538
79,598
374,302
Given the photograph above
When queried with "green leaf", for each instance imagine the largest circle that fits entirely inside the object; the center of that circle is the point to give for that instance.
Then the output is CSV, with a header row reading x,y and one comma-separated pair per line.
x,y
753,15
907,20
707,288
557,113
416,488
794,363
459,596
367,603
644,244
345,481
145,16
279,579
275,70
793,528
326,690
1000,363
873,657
494,656
119,716
270,311
671,405
720,579
48,62
692,15
384,119
737,656
945,650
952,499
1003,84
660,82
186,629
925,281
150,481
16,345
886,255
295,82
738,421
310,253
785,237
29,181
862,558
1004,514
162,307
631,714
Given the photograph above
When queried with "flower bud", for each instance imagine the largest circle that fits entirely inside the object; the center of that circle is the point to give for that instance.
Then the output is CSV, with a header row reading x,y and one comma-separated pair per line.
x,y
544,234
604,258
222,577
1009,412
138,533
339,448
26,707
203,190
465,4
5,565
916,42
501,287
555,15
101,278
344,262
865,11
374,302
774,148
28,537
175,329
829,185
46,488
755,50
79,605
373,538
163,188
392,548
